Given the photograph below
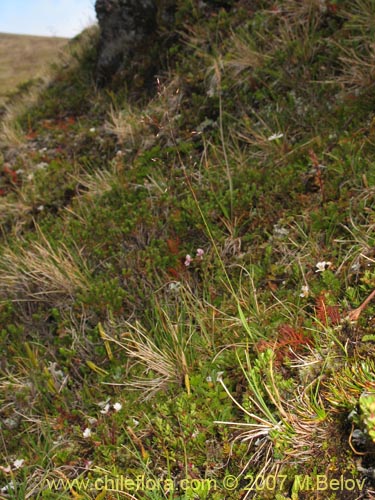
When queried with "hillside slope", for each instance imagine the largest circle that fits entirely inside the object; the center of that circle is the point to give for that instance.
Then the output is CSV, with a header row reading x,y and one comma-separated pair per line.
x,y
186,278
23,57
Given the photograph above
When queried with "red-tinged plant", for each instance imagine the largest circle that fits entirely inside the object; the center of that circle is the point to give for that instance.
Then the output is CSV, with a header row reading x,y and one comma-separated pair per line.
x,y
10,174
176,273
332,8
326,314
173,245
289,342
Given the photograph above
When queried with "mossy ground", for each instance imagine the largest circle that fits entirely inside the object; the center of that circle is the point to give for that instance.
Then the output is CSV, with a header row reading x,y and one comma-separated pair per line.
x,y
245,360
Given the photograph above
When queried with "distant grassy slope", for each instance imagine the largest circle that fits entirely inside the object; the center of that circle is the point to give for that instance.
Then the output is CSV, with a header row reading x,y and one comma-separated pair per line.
x,y
23,57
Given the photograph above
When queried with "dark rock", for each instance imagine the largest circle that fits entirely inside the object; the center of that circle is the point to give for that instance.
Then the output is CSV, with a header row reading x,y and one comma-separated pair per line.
x,y
136,30
126,25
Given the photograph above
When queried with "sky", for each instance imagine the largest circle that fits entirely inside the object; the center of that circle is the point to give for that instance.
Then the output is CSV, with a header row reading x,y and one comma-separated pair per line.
x,y
65,18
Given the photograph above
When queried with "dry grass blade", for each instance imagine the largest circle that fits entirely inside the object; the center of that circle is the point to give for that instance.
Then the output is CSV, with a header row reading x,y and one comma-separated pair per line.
x,y
42,273
139,128
14,210
96,183
358,71
126,125
361,17
306,12
244,56
163,366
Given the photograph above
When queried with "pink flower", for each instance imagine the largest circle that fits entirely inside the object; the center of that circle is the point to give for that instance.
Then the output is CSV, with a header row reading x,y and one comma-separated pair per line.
x,y
200,252
188,260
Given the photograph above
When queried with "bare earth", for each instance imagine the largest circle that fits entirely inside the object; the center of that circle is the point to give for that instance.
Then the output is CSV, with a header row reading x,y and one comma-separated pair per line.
x,y
23,57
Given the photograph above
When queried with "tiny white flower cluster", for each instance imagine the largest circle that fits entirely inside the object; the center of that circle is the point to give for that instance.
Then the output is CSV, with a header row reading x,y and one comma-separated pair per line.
x,y
41,165
17,464
279,231
199,255
104,411
86,433
117,407
322,266
7,487
174,286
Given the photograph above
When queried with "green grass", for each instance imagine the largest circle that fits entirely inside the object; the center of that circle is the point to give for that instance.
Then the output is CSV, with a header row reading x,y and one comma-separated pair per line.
x,y
255,158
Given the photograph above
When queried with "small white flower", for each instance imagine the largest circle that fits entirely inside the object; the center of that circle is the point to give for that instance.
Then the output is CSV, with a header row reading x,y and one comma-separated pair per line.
x,y
105,410
322,266
117,406
30,177
279,231
188,260
17,464
86,433
174,286
40,208
135,422
209,379
58,375
7,487
92,129
41,165
274,137
200,252
10,422
304,291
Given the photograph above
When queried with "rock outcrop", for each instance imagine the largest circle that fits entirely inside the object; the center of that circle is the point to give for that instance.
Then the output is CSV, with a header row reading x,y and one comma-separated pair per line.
x,y
128,28
132,30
